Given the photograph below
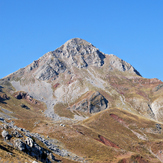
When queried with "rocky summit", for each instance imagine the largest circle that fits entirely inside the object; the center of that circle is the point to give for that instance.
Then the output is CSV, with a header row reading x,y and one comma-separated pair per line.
x,y
78,104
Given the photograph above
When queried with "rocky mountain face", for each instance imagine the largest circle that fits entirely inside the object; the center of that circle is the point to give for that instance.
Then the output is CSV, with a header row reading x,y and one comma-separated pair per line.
x,y
67,73
75,88
74,53
95,103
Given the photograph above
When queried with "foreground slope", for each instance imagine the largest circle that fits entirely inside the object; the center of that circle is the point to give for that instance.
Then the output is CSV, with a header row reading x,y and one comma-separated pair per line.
x,y
113,135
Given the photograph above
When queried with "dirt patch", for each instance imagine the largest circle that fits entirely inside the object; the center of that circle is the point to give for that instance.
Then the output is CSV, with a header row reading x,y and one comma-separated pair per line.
x,y
107,142
118,119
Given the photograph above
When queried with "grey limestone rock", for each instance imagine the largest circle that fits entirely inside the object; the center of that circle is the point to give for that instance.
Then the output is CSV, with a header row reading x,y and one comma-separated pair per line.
x,y
19,144
51,156
34,162
94,104
5,134
16,134
29,141
83,106
97,103
30,147
5,126
34,65
121,65
75,52
158,87
81,53
158,127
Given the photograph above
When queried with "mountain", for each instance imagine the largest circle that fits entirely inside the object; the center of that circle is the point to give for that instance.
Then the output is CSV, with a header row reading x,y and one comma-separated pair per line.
x,y
89,106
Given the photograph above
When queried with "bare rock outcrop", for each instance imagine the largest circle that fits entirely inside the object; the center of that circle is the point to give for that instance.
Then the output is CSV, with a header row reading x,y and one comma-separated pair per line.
x,y
29,141
5,134
3,97
142,106
19,144
16,134
121,65
24,95
97,103
33,144
157,107
80,53
33,149
75,52
94,104
50,69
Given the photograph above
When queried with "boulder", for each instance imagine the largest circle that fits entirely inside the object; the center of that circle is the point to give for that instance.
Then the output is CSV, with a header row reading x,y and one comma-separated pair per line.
x,y
51,156
19,144
34,162
16,134
5,134
29,141
24,106
5,126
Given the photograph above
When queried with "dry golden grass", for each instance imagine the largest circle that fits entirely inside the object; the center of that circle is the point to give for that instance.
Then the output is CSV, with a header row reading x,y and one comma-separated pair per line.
x,y
82,139
62,110
10,154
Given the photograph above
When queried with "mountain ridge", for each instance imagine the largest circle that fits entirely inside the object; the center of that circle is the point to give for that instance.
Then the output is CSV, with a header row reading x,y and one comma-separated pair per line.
x,y
76,52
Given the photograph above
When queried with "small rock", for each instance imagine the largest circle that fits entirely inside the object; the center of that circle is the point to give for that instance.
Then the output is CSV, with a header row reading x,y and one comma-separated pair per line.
x,y
158,126
51,157
5,134
16,134
5,126
29,142
18,143
10,153
1,119
62,125
24,106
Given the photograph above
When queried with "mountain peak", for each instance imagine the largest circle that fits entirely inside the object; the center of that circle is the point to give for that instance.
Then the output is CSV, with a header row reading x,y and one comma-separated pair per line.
x,y
77,42
77,53
78,46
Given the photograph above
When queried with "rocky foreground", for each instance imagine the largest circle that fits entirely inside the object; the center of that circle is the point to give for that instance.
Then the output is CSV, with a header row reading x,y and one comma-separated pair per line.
x,y
25,141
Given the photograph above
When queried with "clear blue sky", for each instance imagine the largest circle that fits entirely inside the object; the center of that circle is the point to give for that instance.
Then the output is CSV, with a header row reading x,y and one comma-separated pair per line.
x,y
129,29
